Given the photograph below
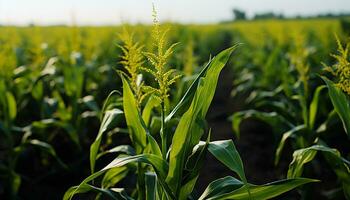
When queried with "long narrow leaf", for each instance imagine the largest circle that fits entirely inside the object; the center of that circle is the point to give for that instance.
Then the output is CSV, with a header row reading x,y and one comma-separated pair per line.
x,y
341,104
263,192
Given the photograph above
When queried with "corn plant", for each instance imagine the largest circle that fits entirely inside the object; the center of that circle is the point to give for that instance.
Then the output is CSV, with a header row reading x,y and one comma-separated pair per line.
x,y
169,170
16,140
299,122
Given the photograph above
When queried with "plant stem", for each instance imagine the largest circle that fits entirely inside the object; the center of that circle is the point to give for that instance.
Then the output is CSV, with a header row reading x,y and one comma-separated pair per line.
x,y
162,132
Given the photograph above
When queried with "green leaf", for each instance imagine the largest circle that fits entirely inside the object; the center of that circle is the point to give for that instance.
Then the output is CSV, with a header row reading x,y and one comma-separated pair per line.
x,y
189,131
151,186
283,140
189,94
127,149
272,118
303,156
221,186
113,176
185,100
314,106
15,180
147,111
110,102
159,165
153,146
263,192
226,152
340,102
74,80
110,119
38,90
84,188
133,118
11,106
193,167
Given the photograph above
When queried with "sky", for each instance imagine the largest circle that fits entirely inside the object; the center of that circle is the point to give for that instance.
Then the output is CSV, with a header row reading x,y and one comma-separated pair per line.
x,y
108,12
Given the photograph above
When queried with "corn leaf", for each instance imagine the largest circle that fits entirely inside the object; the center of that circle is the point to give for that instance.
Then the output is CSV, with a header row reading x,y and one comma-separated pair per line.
x,y
114,176
159,165
147,111
263,192
226,152
151,186
221,186
303,156
314,106
133,118
341,104
84,188
285,136
188,131
110,119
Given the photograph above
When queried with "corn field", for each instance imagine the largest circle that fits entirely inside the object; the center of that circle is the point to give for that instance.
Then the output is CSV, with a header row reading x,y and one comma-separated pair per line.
x,y
247,110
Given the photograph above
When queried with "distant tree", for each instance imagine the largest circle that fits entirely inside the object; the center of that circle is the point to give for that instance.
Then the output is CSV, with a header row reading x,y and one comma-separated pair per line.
x,y
239,14
269,15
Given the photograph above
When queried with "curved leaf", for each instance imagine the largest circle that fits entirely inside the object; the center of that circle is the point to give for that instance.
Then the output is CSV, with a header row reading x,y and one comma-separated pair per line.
x,y
226,152
303,156
283,140
158,164
114,176
109,121
127,149
84,188
221,186
263,192
341,104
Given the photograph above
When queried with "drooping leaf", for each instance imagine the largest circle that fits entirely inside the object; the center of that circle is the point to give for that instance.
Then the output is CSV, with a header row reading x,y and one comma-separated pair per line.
x,y
226,152
159,165
221,186
110,119
127,149
113,176
263,192
110,102
339,164
84,188
283,140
